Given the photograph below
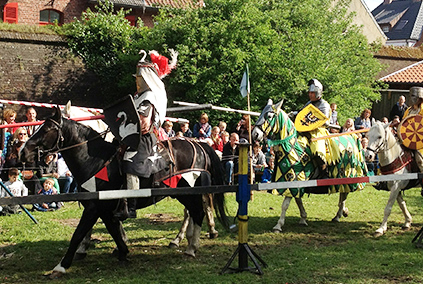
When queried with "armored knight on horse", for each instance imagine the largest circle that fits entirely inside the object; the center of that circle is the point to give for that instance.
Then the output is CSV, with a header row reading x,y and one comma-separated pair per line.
x,y
135,122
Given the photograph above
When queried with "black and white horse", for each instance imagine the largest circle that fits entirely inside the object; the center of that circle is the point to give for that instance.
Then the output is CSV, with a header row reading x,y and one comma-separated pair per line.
x,y
86,153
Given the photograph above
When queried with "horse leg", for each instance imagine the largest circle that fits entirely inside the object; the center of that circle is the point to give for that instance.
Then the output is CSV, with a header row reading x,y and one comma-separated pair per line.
x,y
175,243
81,252
208,209
124,238
303,213
88,219
394,191
407,215
342,210
195,208
113,226
281,221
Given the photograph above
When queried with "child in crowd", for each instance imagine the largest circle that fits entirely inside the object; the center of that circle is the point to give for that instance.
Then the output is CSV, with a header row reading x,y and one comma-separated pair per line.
x,y
222,126
225,137
48,189
348,125
217,140
185,129
268,171
168,125
16,187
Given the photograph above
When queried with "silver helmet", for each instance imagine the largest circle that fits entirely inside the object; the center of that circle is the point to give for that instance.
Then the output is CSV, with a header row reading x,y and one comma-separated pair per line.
x,y
316,87
416,93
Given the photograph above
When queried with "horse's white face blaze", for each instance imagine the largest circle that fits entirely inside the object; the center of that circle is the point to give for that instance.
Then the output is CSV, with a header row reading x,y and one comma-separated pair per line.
x,y
376,137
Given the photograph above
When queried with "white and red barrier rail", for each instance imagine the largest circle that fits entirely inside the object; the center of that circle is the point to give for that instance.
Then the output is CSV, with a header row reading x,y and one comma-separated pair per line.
x,y
92,110
147,192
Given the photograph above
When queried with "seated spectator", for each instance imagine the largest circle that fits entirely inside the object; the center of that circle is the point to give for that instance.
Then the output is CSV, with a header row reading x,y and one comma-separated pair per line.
x,y
12,161
258,161
217,140
268,171
348,125
69,183
185,129
48,189
222,126
202,128
167,125
385,120
394,124
179,134
230,157
370,165
364,121
17,188
48,169
225,137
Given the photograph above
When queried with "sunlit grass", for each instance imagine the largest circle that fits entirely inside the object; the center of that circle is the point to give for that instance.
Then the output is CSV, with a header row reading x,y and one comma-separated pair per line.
x,y
323,252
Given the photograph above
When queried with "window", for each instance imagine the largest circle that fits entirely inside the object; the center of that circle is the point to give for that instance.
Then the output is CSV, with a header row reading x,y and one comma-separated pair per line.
x,y
132,20
385,29
50,17
401,25
10,13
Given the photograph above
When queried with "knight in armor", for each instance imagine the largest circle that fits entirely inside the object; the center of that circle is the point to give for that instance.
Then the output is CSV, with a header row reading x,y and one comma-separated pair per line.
x,y
318,147
416,100
140,163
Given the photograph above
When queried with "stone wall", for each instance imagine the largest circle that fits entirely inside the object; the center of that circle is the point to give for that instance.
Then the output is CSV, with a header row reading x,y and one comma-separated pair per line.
x,y
40,68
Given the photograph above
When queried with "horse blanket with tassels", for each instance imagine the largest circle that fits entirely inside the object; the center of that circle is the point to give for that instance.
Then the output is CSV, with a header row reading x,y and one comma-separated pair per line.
x,y
294,159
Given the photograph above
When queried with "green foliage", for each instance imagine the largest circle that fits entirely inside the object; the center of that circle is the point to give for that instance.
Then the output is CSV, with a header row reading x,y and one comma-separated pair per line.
x,y
285,43
105,40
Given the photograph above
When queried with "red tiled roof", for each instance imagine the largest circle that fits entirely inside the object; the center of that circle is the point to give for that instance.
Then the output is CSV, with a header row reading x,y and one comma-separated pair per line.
x,y
409,74
174,3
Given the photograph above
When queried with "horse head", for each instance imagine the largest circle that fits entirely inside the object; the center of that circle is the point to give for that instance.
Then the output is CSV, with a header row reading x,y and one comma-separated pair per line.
x,y
378,137
45,140
271,123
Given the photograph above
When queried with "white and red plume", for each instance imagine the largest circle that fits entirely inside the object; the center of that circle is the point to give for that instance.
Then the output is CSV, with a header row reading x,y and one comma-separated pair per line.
x,y
162,64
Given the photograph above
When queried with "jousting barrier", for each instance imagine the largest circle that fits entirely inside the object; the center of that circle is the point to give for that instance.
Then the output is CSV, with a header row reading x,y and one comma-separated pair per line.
x,y
94,111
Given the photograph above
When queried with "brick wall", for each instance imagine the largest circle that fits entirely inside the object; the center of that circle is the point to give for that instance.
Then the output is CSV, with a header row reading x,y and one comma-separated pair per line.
x,y
40,68
29,10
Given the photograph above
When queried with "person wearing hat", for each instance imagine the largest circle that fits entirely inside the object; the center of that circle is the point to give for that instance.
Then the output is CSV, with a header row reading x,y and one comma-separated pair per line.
x,y
315,94
150,102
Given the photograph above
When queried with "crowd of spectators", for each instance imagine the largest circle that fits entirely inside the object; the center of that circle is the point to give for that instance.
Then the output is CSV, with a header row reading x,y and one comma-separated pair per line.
x,y
28,179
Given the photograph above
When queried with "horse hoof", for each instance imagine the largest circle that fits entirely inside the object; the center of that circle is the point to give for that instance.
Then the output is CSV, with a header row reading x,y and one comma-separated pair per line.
x,y
345,212
277,231
173,245
213,235
405,228
79,256
56,275
377,234
190,253
335,220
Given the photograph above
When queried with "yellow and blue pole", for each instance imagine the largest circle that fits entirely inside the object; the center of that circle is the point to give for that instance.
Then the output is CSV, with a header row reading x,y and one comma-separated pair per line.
x,y
242,197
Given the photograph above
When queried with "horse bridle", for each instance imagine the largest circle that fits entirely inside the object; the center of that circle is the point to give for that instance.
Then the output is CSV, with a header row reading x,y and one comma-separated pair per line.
x,y
383,142
56,148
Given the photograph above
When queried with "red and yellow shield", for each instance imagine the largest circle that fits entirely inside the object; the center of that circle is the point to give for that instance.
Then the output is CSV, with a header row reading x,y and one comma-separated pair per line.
x,y
410,132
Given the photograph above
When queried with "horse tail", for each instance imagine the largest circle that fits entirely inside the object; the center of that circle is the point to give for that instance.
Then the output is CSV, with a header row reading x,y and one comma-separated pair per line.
x,y
217,174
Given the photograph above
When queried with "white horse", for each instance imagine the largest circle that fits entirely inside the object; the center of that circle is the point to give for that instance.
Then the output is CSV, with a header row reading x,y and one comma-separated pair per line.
x,y
393,158
100,126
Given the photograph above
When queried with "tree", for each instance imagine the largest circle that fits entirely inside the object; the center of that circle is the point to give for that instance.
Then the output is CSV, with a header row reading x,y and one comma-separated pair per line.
x,y
108,45
285,43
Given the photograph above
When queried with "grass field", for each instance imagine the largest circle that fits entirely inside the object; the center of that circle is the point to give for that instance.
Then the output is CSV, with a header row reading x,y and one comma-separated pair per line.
x,y
323,252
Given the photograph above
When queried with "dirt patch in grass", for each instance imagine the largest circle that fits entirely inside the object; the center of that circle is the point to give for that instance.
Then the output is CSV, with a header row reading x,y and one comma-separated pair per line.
x,y
72,222
162,218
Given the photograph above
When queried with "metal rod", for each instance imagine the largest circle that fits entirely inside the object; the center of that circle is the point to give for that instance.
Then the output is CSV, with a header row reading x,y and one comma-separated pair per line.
x,y
210,106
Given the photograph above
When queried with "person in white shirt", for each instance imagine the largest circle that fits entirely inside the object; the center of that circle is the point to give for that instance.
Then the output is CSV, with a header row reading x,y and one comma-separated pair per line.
x,y
16,187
